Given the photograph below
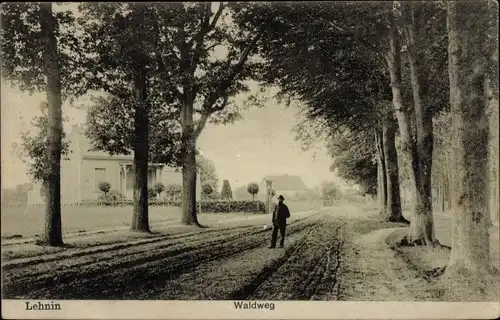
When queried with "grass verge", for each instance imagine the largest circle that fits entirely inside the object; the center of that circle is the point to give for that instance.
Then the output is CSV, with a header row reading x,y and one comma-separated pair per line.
x,y
430,264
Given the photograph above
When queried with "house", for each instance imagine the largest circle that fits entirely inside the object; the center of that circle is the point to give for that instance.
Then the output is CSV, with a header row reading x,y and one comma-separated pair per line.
x,y
84,169
291,187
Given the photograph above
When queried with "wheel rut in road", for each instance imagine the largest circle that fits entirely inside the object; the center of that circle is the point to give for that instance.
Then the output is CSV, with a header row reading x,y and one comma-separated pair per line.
x,y
309,271
141,266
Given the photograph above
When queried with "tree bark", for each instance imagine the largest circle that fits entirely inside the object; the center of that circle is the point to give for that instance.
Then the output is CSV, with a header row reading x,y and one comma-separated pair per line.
x,y
381,172
189,209
448,188
417,144
53,221
140,218
470,254
443,189
423,228
393,207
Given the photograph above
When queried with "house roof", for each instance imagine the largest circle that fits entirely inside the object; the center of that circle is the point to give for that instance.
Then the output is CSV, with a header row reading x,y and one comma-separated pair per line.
x,y
287,183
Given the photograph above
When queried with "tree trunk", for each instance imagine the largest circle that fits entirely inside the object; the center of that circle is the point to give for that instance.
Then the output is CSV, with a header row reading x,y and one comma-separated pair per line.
x,y
393,202
422,231
448,188
403,198
421,227
140,219
443,189
53,223
470,253
381,172
189,212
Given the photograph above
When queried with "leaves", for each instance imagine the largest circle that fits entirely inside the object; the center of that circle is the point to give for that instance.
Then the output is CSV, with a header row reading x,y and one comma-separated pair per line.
x,y
253,188
33,147
117,136
22,47
355,159
208,174
226,193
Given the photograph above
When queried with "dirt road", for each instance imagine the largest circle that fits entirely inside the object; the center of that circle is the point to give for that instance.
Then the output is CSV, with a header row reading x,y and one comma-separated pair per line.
x,y
231,263
329,254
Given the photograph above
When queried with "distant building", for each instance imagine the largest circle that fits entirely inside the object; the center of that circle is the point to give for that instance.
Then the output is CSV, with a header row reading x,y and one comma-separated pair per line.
x,y
85,169
290,186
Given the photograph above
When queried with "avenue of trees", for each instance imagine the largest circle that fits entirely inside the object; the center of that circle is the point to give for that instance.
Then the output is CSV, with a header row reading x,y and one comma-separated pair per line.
x,y
382,72
388,84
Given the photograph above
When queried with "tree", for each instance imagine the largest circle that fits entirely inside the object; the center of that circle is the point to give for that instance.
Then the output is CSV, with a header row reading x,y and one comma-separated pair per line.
x,y
441,169
33,147
420,28
208,174
330,192
40,53
118,136
350,94
207,190
379,31
104,187
472,46
253,189
201,84
173,191
124,42
159,188
353,160
226,193
183,71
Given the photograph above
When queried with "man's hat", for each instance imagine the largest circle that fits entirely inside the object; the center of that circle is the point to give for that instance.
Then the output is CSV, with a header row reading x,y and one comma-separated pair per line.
x,y
281,197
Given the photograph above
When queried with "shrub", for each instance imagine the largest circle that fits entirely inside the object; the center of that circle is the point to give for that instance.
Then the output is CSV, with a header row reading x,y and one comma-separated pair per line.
x,y
114,195
207,190
151,193
226,193
224,206
104,187
159,188
173,191
253,189
212,206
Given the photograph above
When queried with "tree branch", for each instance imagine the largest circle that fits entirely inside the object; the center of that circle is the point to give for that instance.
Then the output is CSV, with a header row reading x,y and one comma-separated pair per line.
x,y
206,115
350,33
226,83
200,36
207,26
201,125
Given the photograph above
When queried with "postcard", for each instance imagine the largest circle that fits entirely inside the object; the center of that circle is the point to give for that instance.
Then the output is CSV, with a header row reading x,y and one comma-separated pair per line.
x,y
250,160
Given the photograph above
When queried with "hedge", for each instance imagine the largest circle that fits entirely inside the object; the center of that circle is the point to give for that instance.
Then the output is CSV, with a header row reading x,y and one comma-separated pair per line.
x,y
224,206
214,206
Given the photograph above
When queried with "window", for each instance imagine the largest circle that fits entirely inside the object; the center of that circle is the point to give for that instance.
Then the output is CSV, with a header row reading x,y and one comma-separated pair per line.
x,y
42,190
99,176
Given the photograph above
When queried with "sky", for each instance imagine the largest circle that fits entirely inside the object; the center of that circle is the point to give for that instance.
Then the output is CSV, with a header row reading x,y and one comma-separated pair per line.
x,y
259,144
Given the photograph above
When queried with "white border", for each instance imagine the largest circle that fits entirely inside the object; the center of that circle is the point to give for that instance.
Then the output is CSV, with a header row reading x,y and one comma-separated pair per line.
x,y
117,309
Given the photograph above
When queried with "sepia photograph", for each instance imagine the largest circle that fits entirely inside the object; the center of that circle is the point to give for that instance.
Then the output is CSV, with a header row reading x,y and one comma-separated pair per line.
x,y
250,160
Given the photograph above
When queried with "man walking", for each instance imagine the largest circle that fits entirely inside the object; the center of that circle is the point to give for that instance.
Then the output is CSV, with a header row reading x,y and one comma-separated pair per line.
x,y
280,214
